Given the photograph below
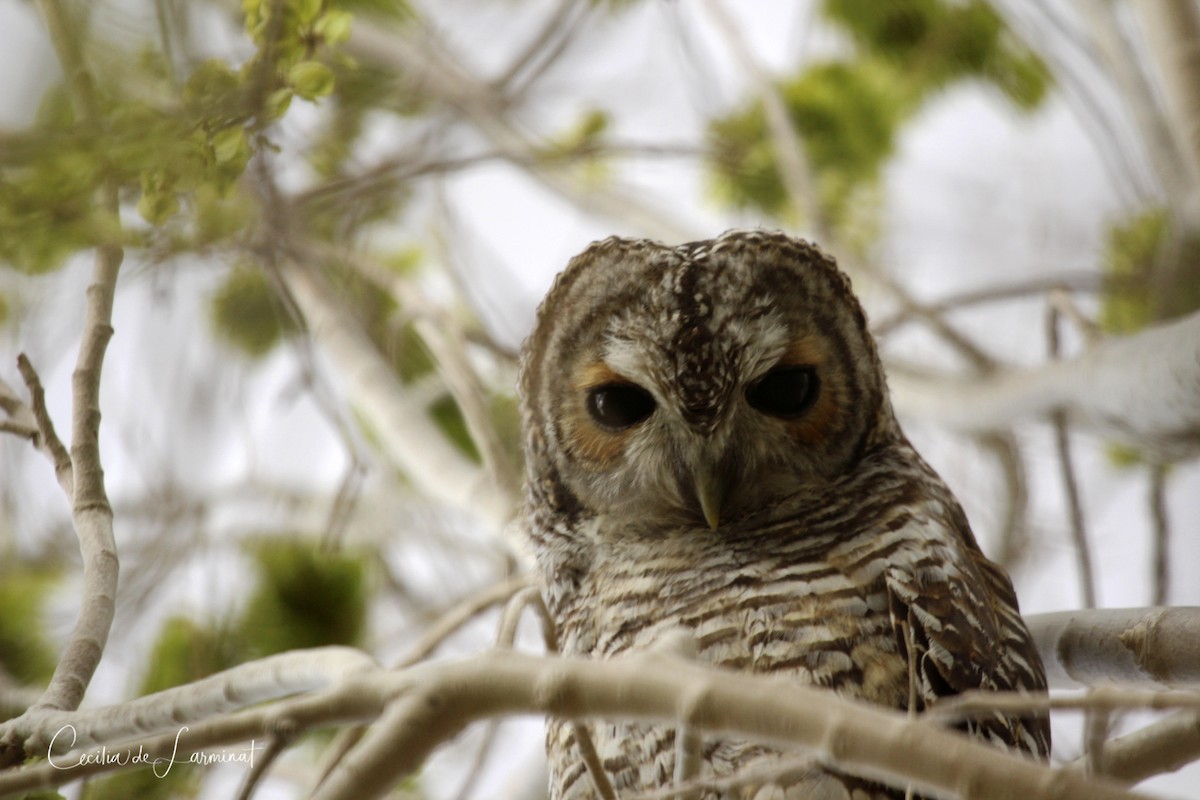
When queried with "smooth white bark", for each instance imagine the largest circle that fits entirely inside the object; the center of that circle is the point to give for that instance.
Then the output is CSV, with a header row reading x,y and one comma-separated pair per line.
x,y
1143,390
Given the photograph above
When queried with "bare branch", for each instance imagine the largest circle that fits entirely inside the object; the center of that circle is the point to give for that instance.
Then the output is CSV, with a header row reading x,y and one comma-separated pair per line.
x,y
1161,559
788,147
420,55
1098,698
246,684
21,421
1164,746
880,744
1126,69
1143,389
1086,281
402,423
1142,646
90,512
1062,446
49,441
1173,30
460,615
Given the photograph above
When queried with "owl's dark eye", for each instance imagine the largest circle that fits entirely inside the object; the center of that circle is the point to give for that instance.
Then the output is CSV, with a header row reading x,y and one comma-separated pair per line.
x,y
784,391
619,405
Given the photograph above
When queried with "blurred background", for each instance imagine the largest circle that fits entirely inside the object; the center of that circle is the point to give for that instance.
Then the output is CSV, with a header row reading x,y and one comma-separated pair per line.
x,y
339,217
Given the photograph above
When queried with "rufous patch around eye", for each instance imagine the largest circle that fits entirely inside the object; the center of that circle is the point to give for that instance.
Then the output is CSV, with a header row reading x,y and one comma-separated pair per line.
x,y
825,416
584,437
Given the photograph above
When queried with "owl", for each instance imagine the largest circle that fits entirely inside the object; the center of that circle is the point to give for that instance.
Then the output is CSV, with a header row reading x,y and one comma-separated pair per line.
x,y
710,447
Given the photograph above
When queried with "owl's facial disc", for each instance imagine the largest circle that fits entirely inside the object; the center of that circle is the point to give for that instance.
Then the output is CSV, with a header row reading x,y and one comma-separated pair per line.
x,y
645,448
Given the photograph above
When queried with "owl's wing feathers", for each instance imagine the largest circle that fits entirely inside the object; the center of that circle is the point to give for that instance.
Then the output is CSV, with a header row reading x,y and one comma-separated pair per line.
x,y
965,633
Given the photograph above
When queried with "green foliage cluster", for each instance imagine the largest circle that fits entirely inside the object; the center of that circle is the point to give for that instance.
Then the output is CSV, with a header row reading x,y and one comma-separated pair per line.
x,y
303,597
25,652
177,781
849,112
1128,261
247,312
165,147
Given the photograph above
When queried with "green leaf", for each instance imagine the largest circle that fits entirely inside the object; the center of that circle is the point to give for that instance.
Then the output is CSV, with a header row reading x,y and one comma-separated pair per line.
x,y
230,145
277,103
311,79
334,27
306,10
212,91
449,419
158,202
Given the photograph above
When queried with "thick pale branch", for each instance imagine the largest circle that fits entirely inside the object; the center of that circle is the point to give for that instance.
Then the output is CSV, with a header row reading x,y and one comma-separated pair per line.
x,y
1124,67
243,685
1143,646
420,708
444,698
1143,389
1173,30
401,421
1165,746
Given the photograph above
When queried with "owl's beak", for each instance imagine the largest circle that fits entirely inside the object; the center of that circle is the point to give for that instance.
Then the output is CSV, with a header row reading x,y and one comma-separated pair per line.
x,y
710,491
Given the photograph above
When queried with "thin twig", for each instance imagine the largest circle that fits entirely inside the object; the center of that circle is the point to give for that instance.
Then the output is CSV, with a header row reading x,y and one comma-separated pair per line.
x,y
29,432
979,703
544,48
262,764
529,597
1062,443
1095,724
1076,282
910,647
458,616
54,447
342,509
1014,535
1162,535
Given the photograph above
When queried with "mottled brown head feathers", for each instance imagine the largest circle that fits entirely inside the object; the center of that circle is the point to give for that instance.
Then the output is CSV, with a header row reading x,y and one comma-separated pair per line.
x,y
695,327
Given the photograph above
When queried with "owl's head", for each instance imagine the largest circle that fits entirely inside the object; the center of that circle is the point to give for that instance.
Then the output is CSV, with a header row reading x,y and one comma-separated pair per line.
x,y
699,385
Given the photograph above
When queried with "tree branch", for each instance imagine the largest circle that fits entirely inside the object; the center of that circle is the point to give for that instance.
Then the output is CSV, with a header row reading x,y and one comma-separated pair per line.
x,y
1143,646
1164,746
442,699
402,424
1142,389
48,440
90,512
1173,30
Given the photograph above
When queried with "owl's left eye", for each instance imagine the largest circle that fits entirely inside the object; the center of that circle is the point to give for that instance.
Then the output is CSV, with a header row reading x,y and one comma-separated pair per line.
x,y
784,391
619,405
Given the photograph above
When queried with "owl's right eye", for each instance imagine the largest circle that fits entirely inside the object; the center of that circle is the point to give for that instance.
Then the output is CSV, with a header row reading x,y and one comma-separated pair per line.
x,y
619,405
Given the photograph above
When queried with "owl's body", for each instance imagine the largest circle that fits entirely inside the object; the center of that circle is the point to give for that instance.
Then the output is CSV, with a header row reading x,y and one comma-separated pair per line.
x,y
710,448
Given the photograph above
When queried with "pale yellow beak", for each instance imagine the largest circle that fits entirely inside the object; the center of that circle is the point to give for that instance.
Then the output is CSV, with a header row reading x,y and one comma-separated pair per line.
x,y
710,491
